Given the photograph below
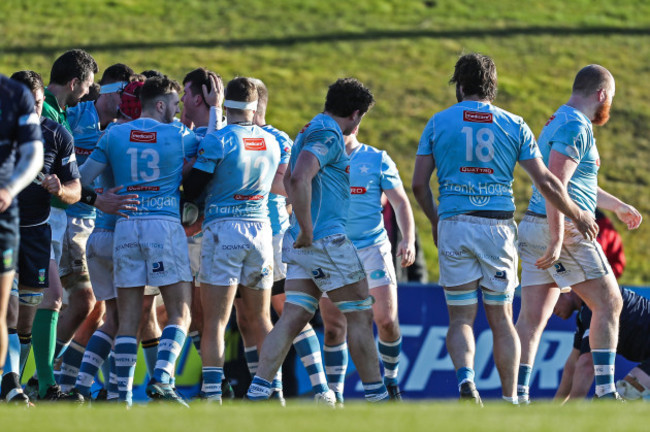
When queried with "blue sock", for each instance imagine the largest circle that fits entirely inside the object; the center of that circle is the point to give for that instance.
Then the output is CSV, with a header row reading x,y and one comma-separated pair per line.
x,y
25,348
150,350
260,389
604,370
12,362
196,340
336,365
126,354
252,359
97,351
212,377
276,384
112,392
375,392
171,344
464,374
389,354
523,381
70,366
308,349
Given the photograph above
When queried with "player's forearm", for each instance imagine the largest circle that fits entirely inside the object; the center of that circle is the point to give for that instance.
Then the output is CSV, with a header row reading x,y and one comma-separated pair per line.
x,y
70,192
404,216
28,166
301,202
555,221
424,197
608,201
555,192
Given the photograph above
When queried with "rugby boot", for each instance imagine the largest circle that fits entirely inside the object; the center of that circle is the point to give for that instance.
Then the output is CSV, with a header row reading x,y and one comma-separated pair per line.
x,y
55,394
164,392
394,392
468,393
327,399
613,396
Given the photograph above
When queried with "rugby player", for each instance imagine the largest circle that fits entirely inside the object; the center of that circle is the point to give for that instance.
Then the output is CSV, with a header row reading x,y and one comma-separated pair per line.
x,y
475,146
60,167
372,173
147,156
70,78
237,165
306,343
315,246
21,158
633,344
553,255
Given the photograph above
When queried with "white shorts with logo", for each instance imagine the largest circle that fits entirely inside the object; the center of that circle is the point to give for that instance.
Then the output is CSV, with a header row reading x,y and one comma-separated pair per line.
x,y
237,252
99,252
73,253
580,259
149,251
378,263
331,262
194,250
59,223
279,268
473,248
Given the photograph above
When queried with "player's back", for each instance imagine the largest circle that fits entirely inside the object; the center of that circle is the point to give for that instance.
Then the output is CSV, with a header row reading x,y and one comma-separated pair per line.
x,y
330,196
245,159
146,157
476,146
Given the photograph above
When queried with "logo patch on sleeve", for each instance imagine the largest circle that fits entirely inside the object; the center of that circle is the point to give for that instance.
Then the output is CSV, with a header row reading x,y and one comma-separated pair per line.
x,y
254,144
143,137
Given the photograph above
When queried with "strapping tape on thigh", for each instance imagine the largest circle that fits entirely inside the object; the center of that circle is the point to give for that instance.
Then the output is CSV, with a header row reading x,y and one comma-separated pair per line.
x,y
355,305
493,298
461,298
30,297
305,301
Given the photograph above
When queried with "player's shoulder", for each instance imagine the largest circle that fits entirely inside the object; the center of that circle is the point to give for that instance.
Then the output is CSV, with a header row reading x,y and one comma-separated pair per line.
x,y
55,131
12,90
505,115
281,136
369,151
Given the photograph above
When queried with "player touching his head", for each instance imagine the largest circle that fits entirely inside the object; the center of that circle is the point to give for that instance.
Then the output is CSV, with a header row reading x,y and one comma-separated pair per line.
x,y
475,146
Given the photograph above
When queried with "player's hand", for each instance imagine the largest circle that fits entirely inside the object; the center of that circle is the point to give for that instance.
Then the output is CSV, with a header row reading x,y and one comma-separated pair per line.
x,y
406,250
52,184
112,203
551,255
629,216
305,239
215,96
5,199
586,225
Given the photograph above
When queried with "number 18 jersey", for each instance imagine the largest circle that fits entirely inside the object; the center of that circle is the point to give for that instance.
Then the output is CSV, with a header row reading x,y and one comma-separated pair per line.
x,y
146,157
475,146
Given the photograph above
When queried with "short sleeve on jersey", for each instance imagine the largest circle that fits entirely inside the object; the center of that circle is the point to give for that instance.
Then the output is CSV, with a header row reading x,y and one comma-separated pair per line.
x,y
210,152
190,142
285,149
389,174
325,145
570,140
426,140
99,154
529,148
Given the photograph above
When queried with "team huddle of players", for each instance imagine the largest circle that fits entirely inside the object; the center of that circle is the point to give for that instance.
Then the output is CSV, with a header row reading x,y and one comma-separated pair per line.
x,y
213,213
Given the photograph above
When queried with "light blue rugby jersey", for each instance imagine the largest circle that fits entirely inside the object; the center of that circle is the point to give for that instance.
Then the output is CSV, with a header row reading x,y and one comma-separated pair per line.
x,y
278,203
146,157
103,182
371,172
476,146
86,130
570,133
330,188
243,160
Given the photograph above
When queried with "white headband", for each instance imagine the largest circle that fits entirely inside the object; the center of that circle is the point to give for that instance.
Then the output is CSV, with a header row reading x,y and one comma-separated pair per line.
x,y
112,87
240,105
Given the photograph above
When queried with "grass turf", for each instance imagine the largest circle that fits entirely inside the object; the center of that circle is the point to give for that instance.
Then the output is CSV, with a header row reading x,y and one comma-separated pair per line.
x,y
239,416
404,50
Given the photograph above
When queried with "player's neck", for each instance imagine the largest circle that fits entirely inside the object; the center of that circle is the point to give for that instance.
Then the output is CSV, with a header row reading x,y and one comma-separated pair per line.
x,y
581,104
59,93
351,144
201,119
240,119
475,98
152,114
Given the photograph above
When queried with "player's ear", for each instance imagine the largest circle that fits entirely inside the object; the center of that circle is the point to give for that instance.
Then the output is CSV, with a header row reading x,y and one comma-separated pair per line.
x,y
73,83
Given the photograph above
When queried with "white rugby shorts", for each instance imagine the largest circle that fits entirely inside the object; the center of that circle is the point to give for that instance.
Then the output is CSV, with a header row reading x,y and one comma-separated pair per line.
x,y
378,263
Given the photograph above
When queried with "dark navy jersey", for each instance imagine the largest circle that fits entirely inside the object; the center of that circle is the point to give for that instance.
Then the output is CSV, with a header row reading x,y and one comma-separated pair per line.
x,y
634,328
18,124
59,159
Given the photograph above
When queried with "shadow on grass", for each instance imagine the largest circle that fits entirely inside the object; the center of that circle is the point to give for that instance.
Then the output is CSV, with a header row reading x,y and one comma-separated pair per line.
x,y
338,37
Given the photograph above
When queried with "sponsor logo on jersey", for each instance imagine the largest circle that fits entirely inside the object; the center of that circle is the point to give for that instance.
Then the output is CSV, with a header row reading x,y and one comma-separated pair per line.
x,y
304,128
357,190
598,162
99,190
142,188
347,169
82,151
477,117
248,197
158,267
254,144
550,120
476,170
143,137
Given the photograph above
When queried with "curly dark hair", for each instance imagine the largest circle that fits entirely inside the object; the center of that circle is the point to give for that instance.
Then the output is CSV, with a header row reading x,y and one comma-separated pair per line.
x,y
73,64
31,79
477,74
348,95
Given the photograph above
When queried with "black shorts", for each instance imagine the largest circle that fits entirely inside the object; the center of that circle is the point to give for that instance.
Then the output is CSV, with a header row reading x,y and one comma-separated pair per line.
x,y
34,256
645,366
9,239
